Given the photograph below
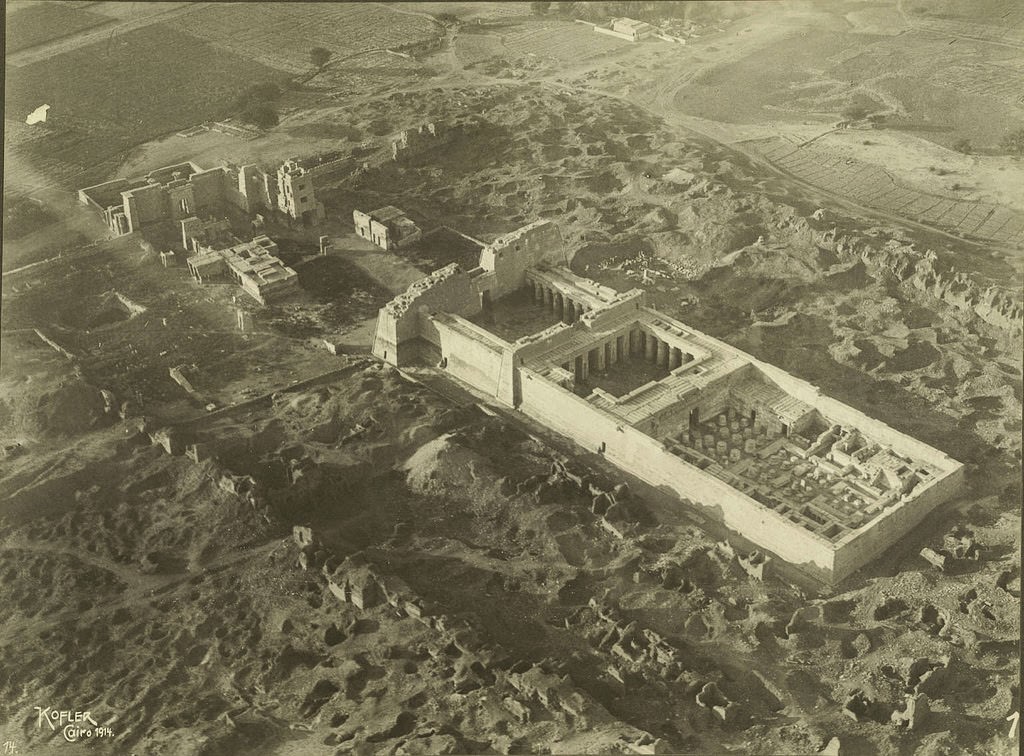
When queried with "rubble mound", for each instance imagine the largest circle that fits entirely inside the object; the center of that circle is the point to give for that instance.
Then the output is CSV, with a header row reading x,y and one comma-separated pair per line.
x,y
73,407
444,466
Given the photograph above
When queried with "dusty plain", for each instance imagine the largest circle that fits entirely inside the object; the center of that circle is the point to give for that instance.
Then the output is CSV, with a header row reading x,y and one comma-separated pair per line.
x,y
863,254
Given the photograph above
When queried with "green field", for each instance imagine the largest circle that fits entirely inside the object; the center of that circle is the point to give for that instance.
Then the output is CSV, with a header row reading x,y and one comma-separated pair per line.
x,y
28,26
108,97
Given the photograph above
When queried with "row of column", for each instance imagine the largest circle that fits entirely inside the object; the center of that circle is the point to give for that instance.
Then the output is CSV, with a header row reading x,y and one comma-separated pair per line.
x,y
656,350
553,300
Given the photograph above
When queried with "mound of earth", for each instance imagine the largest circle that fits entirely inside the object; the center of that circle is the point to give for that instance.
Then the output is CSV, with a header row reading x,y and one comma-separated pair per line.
x,y
73,407
443,466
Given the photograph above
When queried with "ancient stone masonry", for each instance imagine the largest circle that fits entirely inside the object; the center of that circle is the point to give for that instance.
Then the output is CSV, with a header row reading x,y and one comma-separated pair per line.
x,y
253,265
174,193
387,227
296,187
802,476
524,685
413,141
927,273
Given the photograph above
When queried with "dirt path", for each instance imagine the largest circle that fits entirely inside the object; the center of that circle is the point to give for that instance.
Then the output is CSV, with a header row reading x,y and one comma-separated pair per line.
x,y
98,34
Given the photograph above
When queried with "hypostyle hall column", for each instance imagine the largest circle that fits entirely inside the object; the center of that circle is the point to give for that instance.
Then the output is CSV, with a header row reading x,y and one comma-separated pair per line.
x,y
538,293
651,348
676,359
632,341
662,355
549,299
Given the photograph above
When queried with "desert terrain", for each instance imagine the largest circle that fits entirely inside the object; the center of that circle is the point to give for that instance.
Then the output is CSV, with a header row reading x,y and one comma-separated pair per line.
x,y
827,186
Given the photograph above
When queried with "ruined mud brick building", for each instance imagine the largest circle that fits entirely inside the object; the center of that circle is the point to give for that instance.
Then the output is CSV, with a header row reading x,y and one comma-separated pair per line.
x,y
176,192
388,227
806,477
253,265
185,190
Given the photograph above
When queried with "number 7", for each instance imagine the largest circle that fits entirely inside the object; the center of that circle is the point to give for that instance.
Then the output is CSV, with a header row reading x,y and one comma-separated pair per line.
x,y
1014,718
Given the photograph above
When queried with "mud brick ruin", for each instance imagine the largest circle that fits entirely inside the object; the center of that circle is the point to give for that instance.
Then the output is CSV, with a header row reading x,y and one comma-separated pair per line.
x,y
797,473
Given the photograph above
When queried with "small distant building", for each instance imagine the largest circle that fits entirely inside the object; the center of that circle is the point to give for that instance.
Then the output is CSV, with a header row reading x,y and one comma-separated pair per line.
x,y
628,28
296,192
253,265
388,227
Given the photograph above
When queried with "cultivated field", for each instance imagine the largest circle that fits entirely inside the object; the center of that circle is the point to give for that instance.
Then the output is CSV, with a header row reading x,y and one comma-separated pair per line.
x,y
281,35
532,38
874,187
30,25
110,104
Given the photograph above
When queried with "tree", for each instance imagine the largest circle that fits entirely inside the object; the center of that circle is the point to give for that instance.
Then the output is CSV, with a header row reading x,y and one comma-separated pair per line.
x,y
854,112
261,114
540,8
319,56
266,92
1014,142
964,146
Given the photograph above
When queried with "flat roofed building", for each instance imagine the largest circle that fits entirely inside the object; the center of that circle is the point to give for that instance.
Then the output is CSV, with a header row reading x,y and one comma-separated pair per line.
x,y
627,28
253,265
387,227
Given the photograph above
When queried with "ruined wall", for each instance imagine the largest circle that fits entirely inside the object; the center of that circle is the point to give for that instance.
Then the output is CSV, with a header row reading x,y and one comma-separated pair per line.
x,y
178,194
448,289
510,256
104,195
709,401
837,412
862,546
640,455
472,354
208,189
146,204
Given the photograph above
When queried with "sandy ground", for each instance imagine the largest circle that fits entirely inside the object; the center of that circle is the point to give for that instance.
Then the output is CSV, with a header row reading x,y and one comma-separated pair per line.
x,y
141,588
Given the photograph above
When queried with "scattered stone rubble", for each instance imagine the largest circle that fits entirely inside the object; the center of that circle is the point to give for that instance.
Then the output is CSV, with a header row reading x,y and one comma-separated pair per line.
x,y
925,272
611,504
354,580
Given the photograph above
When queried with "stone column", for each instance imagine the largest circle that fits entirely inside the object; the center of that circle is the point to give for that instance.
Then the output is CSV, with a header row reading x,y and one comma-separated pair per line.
x,y
569,311
585,371
600,356
619,348
632,341
538,293
559,305
662,354
677,358
549,299
650,348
